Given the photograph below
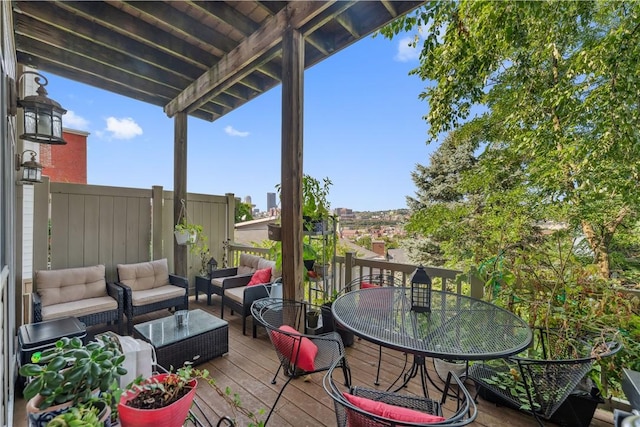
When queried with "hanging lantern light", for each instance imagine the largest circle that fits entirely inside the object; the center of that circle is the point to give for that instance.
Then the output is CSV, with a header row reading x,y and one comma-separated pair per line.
x,y
420,291
42,115
31,169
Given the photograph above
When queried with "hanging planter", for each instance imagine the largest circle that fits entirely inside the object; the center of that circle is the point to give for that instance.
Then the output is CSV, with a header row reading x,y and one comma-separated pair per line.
x,y
274,232
185,237
185,232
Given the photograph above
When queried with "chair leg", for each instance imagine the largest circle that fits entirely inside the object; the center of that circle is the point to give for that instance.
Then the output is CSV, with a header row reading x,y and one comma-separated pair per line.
x,y
273,381
244,325
346,371
377,381
277,398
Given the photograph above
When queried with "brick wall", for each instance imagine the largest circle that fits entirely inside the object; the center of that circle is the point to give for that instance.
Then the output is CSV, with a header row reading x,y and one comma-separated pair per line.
x,y
66,163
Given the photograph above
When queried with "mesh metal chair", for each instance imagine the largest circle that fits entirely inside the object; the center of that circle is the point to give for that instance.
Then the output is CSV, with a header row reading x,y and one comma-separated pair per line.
x,y
540,386
349,414
299,354
375,280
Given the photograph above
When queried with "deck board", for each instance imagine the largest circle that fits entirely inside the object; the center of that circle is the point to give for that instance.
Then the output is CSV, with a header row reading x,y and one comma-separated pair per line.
x,y
251,363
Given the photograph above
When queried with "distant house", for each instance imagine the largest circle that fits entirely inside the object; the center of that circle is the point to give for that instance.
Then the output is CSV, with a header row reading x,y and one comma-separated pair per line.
x,y
254,231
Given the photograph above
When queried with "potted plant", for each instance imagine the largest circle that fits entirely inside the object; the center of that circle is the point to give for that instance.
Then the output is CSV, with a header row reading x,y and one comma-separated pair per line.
x,y
69,374
313,315
165,399
95,413
186,233
315,203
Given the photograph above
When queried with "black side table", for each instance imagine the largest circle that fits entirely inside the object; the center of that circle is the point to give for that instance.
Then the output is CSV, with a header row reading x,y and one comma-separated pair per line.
x,y
203,284
37,337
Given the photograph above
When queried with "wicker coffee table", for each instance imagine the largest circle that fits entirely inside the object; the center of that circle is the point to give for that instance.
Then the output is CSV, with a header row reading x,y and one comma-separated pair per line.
x,y
203,338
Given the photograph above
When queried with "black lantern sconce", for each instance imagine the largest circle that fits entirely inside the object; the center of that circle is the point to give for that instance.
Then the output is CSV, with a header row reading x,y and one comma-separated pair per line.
x,y
42,115
212,266
421,291
31,170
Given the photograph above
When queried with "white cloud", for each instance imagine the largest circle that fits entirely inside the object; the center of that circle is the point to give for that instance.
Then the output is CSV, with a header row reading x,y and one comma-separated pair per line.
x,y
73,121
229,130
406,52
125,128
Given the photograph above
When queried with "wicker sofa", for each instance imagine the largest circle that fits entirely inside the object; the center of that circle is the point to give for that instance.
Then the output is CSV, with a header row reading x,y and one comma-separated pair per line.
x,y
148,287
80,292
231,285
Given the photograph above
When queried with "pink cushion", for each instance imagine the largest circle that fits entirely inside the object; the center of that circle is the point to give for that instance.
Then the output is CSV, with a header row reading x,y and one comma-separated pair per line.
x,y
260,277
366,285
288,346
393,412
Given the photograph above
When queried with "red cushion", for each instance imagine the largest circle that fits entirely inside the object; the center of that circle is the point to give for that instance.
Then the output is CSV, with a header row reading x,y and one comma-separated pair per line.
x,y
366,285
260,277
393,412
288,346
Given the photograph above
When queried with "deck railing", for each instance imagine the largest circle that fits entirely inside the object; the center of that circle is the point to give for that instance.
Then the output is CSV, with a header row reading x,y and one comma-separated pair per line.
x,y
346,268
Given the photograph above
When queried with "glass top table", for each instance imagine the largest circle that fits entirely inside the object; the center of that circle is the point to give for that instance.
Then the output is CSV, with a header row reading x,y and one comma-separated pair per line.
x,y
457,327
164,331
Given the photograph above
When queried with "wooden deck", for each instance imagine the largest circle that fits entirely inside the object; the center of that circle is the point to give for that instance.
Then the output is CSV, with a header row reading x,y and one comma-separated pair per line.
x,y
250,364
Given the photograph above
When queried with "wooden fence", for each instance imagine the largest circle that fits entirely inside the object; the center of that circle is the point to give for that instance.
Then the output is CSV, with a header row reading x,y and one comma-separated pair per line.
x,y
79,225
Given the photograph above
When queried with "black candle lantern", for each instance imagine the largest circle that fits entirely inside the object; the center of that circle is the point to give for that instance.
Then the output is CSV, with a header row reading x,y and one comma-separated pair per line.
x,y
212,266
421,291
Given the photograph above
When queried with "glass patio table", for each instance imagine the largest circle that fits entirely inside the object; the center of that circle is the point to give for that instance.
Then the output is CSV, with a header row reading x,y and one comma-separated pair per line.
x,y
456,327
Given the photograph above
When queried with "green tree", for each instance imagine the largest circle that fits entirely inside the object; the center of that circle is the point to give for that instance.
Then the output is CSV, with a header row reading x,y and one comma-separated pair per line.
x,y
558,84
243,212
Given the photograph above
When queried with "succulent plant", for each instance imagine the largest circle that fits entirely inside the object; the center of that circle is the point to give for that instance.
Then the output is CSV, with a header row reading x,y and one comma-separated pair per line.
x,y
71,371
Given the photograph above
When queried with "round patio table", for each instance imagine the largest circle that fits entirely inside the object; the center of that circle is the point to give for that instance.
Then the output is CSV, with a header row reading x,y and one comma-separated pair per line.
x,y
455,327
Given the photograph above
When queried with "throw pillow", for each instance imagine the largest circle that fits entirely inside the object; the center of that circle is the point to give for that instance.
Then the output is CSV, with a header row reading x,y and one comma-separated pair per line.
x,y
301,351
397,413
260,277
367,285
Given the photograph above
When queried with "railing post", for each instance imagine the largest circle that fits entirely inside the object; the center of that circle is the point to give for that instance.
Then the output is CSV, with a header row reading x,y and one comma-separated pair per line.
x,y
477,287
349,263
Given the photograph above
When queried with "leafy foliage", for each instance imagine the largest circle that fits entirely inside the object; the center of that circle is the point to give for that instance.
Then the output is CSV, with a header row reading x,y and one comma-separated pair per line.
x,y
243,212
534,185
71,371
550,86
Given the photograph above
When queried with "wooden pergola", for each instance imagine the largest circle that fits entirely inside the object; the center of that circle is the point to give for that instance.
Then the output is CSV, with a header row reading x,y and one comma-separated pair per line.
x,y
204,59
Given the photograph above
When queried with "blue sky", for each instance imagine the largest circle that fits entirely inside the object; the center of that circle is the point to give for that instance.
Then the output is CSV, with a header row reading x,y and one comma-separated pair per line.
x,y
363,129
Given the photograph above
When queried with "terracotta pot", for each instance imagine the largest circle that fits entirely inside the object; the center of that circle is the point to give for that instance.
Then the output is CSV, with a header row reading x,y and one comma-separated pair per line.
x,y
172,415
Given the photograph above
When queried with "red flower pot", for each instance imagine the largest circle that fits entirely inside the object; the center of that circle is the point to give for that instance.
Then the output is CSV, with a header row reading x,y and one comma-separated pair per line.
x,y
173,415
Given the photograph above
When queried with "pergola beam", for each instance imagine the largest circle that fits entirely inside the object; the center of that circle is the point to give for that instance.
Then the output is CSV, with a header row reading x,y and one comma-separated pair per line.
x,y
241,58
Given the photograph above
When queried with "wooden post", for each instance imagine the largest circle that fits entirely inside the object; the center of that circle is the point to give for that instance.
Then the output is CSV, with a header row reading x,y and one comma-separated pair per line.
x,y
291,166
179,187
158,225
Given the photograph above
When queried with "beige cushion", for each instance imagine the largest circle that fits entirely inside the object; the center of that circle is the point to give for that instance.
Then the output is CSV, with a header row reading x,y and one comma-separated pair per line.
x,y
251,263
263,263
79,308
236,294
217,281
151,296
70,284
144,275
